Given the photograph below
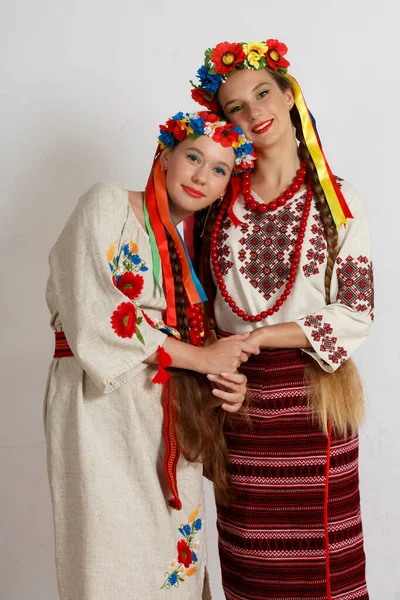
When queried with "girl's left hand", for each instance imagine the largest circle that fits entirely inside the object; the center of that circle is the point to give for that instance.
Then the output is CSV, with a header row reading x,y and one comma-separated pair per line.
x,y
230,389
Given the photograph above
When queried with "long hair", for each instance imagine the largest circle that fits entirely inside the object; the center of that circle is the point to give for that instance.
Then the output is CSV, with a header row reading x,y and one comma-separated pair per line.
x,y
199,422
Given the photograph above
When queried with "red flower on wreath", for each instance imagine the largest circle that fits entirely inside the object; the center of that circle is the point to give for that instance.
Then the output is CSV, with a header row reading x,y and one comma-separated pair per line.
x,y
204,99
185,556
175,127
226,56
274,55
225,135
131,285
209,118
123,320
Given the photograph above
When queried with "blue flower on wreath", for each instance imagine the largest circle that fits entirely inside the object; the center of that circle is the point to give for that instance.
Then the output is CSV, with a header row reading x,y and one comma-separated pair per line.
x,y
197,125
136,259
244,149
173,578
178,116
166,138
197,525
209,82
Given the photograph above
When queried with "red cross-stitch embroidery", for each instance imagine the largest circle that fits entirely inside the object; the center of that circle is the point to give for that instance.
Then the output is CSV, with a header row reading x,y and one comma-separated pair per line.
x,y
266,247
356,283
317,254
224,264
321,333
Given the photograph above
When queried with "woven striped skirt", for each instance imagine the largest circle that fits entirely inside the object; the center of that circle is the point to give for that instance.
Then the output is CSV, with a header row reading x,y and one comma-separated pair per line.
x,y
293,530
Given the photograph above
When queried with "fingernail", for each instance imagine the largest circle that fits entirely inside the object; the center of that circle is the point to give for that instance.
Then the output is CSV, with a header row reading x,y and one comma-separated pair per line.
x,y
211,376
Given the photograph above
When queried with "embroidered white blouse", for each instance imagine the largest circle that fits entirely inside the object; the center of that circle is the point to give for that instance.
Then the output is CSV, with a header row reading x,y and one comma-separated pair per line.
x,y
255,261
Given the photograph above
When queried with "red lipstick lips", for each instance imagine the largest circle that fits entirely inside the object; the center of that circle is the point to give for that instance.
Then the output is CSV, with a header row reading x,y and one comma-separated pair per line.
x,y
192,192
262,127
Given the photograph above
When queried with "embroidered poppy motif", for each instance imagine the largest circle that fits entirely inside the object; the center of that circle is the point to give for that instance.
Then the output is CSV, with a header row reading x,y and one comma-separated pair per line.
x,y
125,321
185,564
130,284
125,265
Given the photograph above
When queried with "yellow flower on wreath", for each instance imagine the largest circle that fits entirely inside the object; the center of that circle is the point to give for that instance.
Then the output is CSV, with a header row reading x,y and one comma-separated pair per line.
x,y
185,126
255,51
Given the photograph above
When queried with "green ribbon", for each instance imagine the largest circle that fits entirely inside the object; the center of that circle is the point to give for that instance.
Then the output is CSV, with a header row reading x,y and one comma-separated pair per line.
x,y
154,248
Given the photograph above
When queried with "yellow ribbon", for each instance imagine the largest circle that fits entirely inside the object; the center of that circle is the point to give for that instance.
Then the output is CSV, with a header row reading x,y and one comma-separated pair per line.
x,y
337,203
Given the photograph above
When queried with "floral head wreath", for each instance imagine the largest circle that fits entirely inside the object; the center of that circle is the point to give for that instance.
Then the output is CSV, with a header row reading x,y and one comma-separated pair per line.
x,y
225,59
193,125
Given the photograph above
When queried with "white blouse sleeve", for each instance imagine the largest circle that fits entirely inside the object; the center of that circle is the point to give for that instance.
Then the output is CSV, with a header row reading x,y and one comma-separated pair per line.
x,y
338,329
105,327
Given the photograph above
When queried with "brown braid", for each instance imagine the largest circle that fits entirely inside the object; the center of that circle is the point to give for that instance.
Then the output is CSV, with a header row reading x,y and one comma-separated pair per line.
x,y
180,303
321,202
199,423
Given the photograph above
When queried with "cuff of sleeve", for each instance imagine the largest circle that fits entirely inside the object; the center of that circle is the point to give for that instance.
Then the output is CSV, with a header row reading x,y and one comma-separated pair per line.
x,y
325,349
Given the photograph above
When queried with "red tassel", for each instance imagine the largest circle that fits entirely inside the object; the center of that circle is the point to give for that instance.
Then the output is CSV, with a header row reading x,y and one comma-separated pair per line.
x,y
172,451
164,361
175,503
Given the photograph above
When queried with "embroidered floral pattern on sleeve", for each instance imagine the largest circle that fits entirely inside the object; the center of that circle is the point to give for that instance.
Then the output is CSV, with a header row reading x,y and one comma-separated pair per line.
x,y
126,267
321,332
356,283
316,255
184,565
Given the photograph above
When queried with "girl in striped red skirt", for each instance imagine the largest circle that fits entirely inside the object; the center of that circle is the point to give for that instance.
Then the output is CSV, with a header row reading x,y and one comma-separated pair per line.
x,y
290,262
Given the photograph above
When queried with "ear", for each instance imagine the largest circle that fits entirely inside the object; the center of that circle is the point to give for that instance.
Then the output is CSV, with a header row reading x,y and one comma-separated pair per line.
x,y
164,158
289,98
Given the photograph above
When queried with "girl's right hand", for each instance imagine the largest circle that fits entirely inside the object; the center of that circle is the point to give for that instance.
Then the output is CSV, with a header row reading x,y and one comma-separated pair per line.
x,y
227,354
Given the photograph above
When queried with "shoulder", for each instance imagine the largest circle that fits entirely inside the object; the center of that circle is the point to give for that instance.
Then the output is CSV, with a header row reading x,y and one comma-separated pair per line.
x,y
353,198
105,195
103,203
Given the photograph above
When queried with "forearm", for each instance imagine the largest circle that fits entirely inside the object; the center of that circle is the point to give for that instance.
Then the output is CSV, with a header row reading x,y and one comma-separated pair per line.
x,y
283,335
184,356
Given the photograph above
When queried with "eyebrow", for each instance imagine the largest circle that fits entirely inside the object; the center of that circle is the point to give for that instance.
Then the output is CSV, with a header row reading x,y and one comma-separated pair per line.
x,y
262,84
219,162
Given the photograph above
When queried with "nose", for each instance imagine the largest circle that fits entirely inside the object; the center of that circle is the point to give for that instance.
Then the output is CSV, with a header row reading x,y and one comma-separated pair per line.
x,y
199,176
254,111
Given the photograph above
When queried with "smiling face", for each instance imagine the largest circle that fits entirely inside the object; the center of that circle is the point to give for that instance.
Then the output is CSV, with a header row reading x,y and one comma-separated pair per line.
x,y
197,173
254,101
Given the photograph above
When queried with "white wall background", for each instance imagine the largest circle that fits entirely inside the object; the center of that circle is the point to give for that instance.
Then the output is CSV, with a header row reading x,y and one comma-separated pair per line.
x,y
84,85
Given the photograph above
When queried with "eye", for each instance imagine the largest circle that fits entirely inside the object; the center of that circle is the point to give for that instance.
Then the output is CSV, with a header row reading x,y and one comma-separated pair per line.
x,y
193,158
220,171
236,108
262,94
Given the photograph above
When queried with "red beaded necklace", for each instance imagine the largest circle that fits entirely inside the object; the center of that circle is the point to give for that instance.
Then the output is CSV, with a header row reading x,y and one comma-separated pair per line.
x,y
281,200
254,205
196,324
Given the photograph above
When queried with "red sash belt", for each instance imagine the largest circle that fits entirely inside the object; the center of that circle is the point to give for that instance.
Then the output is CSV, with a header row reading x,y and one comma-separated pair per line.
x,y
62,349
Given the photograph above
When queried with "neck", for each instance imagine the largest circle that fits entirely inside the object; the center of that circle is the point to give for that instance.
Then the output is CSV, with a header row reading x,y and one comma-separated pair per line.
x,y
276,165
178,216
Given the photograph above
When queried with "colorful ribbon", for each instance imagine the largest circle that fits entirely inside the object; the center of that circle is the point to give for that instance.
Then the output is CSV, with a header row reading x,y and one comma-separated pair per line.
x,y
336,201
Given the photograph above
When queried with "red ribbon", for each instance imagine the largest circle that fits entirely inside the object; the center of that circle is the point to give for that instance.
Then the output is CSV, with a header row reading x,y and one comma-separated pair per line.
x,y
162,244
